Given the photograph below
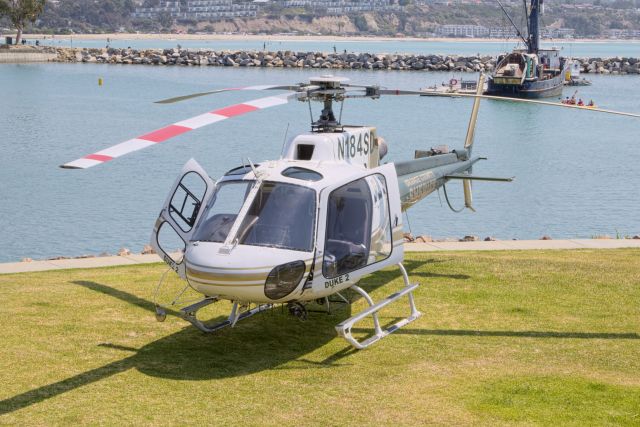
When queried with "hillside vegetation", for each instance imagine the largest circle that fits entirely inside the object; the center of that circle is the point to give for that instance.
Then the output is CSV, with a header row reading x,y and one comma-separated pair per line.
x,y
87,16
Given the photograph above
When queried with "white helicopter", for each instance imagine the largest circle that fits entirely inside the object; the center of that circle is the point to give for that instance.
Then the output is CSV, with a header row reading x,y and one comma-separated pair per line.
x,y
307,226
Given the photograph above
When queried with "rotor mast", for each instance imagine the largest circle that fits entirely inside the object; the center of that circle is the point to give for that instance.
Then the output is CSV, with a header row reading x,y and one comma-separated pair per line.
x,y
330,88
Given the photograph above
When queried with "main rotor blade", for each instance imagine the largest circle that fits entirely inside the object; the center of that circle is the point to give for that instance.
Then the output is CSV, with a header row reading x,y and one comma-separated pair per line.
x,y
198,94
178,128
504,99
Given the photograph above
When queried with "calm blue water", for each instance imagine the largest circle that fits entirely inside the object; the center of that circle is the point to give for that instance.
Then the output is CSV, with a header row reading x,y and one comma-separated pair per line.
x,y
577,171
592,49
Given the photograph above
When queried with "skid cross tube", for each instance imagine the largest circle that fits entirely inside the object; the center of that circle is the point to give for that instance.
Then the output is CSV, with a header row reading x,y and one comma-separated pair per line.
x,y
189,314
344,328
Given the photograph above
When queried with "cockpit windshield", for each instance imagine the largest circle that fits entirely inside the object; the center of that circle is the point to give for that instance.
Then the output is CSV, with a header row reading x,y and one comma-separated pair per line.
x,y
280,215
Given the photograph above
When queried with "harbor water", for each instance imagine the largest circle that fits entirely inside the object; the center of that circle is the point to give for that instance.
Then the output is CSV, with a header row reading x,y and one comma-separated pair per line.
x,y
576,171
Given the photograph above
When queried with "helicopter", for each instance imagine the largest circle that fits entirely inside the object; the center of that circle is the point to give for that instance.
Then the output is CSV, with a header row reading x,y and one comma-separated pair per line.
x,y
308,226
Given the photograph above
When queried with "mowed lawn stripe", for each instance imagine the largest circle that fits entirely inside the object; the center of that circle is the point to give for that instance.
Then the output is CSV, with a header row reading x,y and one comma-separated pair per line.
x,y
539,337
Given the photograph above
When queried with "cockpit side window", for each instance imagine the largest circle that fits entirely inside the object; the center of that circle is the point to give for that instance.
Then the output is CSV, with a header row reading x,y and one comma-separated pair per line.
x,y
358,231
222,211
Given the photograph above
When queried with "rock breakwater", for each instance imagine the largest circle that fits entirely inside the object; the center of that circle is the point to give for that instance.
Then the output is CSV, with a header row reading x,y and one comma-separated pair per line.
x,y
322,60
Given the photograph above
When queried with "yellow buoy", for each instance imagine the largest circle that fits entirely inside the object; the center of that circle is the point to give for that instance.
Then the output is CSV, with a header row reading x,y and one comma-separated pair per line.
x,y
100,81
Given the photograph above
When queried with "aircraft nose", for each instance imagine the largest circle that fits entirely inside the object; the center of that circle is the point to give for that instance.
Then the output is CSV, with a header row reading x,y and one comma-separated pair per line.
x,y
207,264
245,272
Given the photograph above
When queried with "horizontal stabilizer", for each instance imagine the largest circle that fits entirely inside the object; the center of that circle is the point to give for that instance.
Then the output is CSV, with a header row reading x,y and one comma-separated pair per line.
x,y
478,178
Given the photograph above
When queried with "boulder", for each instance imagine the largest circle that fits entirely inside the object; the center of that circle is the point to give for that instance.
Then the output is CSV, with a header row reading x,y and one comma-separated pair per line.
x,y
147,250
124,252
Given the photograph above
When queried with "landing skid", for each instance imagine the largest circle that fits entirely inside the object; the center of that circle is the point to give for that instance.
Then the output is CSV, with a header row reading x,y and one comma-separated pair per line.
x,y
242,311
238,312
344,328
189,313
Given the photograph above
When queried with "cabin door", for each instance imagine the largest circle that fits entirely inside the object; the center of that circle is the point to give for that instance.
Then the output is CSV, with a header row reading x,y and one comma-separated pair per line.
x,y
181,211
356,229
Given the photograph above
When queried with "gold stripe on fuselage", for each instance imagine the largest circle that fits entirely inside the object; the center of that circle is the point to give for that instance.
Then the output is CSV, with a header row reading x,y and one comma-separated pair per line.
x,y
268,268
226,278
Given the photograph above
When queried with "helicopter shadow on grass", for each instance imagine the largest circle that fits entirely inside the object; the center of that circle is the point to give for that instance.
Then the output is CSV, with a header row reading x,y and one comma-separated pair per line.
x,y
413,266
270,340
265,341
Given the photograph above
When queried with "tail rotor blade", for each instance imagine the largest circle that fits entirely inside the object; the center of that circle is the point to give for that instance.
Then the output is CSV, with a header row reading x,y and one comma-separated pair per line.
x,y
471,131
468,196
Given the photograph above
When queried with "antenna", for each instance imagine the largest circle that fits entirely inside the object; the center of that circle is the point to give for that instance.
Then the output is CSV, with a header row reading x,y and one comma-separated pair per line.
x,y
284,140
310,112
253,167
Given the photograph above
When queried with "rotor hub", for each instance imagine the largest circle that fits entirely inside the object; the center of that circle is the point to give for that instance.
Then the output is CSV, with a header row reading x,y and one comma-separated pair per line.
x,y
329,88
328,81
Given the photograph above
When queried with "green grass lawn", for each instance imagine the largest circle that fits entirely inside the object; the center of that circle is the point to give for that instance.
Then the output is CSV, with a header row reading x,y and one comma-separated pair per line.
x,y
526,337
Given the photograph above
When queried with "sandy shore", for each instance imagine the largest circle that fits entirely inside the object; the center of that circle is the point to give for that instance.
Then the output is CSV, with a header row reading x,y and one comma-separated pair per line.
x,y
285,37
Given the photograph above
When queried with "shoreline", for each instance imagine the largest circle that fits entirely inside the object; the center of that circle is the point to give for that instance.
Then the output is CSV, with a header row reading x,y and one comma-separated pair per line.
x,y
300,38
498,245
409,241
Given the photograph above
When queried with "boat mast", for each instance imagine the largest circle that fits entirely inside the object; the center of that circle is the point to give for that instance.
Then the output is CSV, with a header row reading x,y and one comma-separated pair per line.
x,y
534,26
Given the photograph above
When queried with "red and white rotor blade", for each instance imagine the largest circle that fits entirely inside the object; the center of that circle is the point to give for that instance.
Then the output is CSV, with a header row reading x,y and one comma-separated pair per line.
x,y
229,89
168,132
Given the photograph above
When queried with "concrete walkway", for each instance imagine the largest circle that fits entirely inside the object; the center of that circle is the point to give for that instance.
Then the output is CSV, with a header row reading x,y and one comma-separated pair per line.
x,y
22,57
24,267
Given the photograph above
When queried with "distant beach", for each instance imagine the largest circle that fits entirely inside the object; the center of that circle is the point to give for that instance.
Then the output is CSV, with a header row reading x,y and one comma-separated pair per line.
x,y
289,37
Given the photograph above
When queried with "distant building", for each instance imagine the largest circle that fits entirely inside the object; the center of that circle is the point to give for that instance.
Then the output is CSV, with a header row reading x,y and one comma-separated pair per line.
x,y
219,9
558,33
462,31
340,7
622,34
198,10
503,33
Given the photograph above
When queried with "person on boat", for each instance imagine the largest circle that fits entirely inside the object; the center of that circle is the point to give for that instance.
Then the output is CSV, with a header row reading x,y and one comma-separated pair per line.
x,y
580,103
591,104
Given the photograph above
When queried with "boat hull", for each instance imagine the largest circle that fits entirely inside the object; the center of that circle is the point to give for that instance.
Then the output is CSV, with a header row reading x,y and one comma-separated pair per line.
x,y
534,89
